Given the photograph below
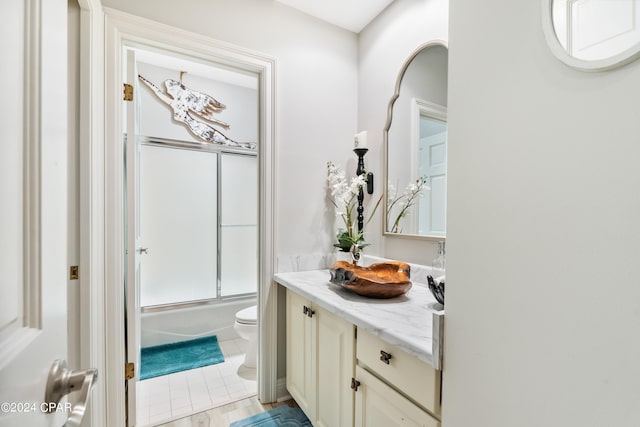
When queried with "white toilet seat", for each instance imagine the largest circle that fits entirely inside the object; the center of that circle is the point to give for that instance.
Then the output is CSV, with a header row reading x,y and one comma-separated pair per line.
x,y
248,316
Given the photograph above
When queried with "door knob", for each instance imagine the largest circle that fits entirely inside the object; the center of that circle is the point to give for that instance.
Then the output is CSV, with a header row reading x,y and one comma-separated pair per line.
x,y
61,381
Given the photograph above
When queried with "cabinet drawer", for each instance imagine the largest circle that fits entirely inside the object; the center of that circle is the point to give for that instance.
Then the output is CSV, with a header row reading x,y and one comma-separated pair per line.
x,y
415,378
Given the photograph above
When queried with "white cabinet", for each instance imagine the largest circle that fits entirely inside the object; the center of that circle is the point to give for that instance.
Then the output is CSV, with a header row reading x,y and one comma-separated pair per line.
x,y
320,362
394,388
339,380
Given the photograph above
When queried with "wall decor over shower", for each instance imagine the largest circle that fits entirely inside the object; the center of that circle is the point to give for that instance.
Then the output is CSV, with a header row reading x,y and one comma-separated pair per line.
x,y
186,103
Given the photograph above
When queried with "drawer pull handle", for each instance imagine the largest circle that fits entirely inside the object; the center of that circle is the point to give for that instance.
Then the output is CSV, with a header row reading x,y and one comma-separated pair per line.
x,y
385,357
305,310
355,384
310,313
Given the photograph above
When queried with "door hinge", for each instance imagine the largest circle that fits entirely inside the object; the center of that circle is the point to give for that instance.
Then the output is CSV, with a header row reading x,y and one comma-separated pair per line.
x,y
129,371
128,92
355,384
73,272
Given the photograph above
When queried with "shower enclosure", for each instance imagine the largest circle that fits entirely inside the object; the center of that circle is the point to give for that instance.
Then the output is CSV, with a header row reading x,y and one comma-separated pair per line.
x,y
198,224
196,202
244,82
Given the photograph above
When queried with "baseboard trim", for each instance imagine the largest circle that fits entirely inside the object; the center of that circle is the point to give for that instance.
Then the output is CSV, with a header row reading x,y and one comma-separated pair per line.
x,y
282,393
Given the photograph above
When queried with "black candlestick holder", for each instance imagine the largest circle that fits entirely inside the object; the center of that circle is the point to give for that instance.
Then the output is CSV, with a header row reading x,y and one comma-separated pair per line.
x,y
360,152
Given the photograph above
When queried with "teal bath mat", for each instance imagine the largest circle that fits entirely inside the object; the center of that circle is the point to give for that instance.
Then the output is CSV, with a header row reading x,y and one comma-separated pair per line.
x,y
180,356
282,416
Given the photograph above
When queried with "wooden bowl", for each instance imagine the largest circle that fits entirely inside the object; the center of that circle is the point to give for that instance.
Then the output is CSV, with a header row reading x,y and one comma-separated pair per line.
x,y
382,280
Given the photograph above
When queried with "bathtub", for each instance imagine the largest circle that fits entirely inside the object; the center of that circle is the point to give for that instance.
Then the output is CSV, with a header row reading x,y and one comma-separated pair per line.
x,y
194,321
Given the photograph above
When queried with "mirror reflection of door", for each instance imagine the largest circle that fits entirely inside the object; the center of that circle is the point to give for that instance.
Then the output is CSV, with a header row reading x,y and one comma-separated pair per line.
x,y
596,29
433,165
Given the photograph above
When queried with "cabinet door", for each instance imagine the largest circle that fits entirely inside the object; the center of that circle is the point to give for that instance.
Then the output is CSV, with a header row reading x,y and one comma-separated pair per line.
x,y
378,405
412,377
301,379
335,363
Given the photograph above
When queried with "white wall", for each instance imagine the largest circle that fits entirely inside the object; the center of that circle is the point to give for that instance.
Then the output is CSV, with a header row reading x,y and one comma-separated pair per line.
x,y
383,47
315,96
543,302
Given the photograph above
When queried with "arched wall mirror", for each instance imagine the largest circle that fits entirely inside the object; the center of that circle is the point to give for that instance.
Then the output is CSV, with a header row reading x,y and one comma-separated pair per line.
x,y
592,35
415,138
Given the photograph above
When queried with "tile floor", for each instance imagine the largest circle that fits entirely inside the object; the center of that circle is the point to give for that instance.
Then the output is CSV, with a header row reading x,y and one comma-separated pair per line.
x,y
178,395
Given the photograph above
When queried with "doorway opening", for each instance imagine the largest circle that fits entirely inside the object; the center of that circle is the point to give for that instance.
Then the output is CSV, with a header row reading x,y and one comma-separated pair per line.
x,y
192,226
111,34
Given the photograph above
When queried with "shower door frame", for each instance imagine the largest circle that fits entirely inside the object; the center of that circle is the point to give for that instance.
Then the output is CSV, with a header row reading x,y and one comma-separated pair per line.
x,y
105,33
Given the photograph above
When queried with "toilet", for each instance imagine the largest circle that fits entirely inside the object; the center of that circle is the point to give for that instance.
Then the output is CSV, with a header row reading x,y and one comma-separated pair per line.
x,y
246,326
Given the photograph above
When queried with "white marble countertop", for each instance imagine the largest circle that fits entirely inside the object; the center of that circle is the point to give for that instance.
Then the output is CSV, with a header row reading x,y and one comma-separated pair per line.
x,y
404,321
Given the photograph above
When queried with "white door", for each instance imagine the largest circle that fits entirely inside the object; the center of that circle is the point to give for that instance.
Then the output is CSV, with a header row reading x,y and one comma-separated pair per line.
x,y
33,216
134,250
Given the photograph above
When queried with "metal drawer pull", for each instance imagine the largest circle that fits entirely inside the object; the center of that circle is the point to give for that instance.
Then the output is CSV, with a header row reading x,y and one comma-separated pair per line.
x,y
384,356
305,310
61,381
355,384
310,313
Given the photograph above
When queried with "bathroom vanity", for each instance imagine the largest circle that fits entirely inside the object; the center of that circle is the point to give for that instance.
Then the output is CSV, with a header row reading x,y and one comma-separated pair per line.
x,y
356,361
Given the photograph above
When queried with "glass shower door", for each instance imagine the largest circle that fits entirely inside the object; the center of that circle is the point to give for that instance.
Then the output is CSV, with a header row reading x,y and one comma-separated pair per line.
x,y
199,221
178,221
239,225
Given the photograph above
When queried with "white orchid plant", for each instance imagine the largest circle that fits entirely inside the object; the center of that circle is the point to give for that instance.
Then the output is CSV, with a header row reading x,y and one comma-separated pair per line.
x,y
404,201
344,197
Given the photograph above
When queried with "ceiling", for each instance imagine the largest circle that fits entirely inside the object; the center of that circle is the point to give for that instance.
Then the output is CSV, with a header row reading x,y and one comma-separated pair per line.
x,y
352,15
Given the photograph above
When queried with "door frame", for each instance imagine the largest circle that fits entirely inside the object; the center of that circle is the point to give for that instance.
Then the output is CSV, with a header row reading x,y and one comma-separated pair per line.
x,y
104,32
92,254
